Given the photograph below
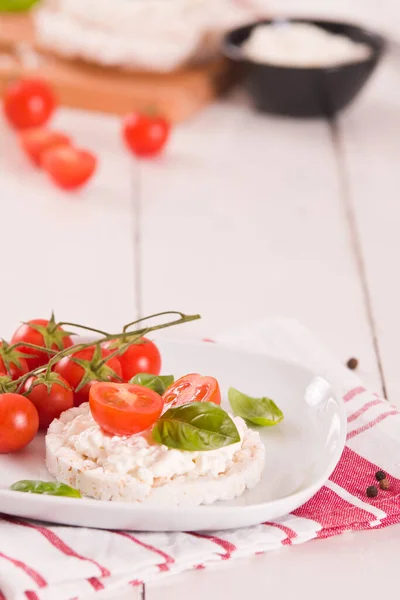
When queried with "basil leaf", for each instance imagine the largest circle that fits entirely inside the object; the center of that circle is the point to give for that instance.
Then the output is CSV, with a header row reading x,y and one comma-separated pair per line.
x,y
47,488
196,426
260,411
157,383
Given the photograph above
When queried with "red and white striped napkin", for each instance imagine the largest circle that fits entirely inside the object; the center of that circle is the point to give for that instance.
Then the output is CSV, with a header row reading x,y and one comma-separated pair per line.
x,y
44,562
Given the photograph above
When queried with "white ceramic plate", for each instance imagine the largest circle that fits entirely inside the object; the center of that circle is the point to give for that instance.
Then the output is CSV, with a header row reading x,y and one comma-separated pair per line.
x,y
301,452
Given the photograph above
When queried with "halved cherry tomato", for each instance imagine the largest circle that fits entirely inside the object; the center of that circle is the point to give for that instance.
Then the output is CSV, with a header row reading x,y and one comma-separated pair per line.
x,y
192,388
124,408
36,141
142,357
41,332
28,103
88,369
19,422
50,401
69,167
145,135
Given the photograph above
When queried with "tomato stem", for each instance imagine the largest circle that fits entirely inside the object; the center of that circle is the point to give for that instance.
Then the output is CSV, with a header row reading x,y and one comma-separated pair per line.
x,y
161,314
184,319
21,380
139,333
63,323
33,347
125,335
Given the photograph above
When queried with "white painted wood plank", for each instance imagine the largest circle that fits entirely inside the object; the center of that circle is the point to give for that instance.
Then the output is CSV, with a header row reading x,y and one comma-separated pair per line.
x,y
370,133
351,565
243,219
71,252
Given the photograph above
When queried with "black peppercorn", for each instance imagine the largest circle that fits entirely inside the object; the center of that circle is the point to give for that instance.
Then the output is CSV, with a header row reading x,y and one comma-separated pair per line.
x,y
372,491
384,484
352,363
379,475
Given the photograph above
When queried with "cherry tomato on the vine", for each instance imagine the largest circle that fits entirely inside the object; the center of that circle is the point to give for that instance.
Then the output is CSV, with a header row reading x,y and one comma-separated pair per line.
x,y
50,400
28,103
88,370
123,408
192,388
19,422
145,135
139,357
11,361
41,332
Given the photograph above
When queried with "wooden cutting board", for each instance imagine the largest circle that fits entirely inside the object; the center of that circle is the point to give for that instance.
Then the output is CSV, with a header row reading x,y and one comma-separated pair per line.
x,y
177,95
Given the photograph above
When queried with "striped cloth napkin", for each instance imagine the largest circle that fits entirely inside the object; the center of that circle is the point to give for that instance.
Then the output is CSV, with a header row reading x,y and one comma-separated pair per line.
x,y
44,562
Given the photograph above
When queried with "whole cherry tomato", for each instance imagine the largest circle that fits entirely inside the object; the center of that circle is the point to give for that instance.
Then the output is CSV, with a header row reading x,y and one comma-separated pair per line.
x,y
84,368
19,422
69,167
41,332
28,103
38,140
11,361
51,397
192,388
141,357
123,408
145,135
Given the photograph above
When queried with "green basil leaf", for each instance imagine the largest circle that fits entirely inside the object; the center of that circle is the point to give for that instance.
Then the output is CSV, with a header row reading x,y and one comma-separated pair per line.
x,y
48,488
196,426
260,411
157,383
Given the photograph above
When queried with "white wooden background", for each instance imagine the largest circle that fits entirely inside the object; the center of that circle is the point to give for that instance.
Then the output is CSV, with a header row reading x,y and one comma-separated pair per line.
x,y
244,217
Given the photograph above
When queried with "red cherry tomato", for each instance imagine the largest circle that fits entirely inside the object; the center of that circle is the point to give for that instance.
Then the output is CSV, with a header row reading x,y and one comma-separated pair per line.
x,y
19,422
36,141
49,402
12,363
145,135
28,103
69,167
192,388
143,357
90,369
41,332
123,408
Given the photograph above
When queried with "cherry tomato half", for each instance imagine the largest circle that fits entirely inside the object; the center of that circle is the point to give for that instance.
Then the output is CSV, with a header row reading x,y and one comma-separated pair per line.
x,y
124,408
28,103
143,357
145,135
69,167
19,422
192,388
38,140
90,367
41,332
49,402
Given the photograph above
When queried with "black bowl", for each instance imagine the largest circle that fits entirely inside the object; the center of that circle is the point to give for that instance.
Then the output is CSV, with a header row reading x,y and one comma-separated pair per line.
x,y
305,92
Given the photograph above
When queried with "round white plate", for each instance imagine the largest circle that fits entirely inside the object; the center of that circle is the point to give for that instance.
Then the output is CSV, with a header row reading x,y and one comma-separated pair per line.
x,y
301,452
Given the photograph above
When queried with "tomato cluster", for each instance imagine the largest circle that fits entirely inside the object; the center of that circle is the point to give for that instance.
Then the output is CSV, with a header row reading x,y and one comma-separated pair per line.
x,y
28,106
41,364
44,372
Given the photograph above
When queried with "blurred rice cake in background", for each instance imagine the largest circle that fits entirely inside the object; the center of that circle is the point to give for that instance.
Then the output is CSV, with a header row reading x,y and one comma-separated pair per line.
x,y
151,35
119,55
